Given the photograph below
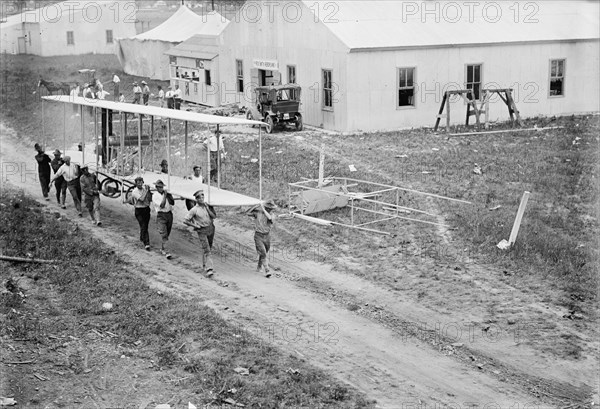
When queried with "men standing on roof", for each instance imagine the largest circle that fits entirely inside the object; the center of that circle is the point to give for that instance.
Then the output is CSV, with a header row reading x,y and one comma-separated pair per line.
x,y
60,183
263,221
163,204
91,195
141,197
199,217
169,97
70,172
177,97
137,93
145,92
43,161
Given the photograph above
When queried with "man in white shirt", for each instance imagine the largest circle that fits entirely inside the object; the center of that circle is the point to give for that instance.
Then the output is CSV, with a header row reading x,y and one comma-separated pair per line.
x,y
163,205
196,177
169,98
177,97
215,147
161,97
116,84
70,172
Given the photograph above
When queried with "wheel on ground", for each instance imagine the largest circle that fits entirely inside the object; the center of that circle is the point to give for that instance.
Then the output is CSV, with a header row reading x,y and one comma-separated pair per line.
x,y
249,116
270,124
299,123
110,188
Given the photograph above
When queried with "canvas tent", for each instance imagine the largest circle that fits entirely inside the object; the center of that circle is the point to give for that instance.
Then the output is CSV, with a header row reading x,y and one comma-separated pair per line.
x,y
144,54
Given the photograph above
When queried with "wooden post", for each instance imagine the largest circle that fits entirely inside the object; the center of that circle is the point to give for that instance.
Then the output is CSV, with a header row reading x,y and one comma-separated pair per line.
x,y
448,112
43,127
218,137
517,224
321,165
140,118
260,163
185,145
487,97
152,142
64,127
169,153
82,135
208,162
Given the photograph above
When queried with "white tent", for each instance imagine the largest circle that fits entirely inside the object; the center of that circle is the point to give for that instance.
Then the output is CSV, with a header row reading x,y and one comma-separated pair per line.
x,y
144,54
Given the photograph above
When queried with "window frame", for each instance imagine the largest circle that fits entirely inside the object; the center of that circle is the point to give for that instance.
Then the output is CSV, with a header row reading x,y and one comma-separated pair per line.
x,y
480,82
207,77
239,75
326,90
563,77
70,37
399,88
291,68
110,36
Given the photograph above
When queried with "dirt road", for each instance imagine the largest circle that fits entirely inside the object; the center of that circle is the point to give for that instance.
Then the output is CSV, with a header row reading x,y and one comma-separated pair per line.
x,y
396,352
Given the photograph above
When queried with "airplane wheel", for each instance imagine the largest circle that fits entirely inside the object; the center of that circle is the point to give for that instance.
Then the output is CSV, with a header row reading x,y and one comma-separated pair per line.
x,y
110,188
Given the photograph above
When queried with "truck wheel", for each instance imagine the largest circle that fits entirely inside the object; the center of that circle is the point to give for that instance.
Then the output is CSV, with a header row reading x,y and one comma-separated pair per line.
x,y
299,123
270,124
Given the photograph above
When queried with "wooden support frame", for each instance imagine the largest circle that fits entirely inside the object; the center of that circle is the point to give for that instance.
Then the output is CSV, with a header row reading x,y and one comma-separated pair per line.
x,y
473,109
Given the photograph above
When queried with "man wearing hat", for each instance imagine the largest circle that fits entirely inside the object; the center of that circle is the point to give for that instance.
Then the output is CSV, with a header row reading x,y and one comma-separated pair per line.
x,y
200,218
263,221
177,97
137,93
163,204
91,194
169,96
60,183
145,92
70,172
215,144
43,162
141,197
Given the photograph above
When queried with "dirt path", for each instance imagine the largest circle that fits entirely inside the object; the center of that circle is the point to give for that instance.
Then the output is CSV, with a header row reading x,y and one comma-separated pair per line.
x,y
293,311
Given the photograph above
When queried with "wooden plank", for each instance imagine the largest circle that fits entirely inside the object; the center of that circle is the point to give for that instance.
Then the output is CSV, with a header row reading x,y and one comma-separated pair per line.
x,y
505,131
447,114
517,223
439,115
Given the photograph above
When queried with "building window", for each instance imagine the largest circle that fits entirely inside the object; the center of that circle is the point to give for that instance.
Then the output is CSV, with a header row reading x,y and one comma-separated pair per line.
x,y
327,90
109,36
406,87
557,78
196,88
70,38
240,75
474,79
291,72
207,77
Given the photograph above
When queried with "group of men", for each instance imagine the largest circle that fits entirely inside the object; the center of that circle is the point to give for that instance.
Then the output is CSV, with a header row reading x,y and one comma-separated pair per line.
x,y
200,216
69,176
141,95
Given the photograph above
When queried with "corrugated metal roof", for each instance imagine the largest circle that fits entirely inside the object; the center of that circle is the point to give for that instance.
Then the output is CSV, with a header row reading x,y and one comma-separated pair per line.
x,y
184,24
374,24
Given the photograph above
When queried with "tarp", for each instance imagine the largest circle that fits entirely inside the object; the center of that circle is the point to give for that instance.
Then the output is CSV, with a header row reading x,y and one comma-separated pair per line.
x,y
144,54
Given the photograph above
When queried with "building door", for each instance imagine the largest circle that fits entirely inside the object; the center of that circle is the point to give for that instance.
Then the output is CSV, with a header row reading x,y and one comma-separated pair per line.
x,y
266,78
22,46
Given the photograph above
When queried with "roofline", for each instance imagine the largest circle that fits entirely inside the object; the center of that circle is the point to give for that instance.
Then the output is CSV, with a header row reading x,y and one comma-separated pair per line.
x,y
424,47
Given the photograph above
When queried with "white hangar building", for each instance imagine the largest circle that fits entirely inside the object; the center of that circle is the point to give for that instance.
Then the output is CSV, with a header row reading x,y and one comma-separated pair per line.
x,y
68,28
372,65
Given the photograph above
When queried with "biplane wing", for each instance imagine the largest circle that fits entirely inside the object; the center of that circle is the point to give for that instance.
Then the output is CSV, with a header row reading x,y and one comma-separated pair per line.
x,y
175,184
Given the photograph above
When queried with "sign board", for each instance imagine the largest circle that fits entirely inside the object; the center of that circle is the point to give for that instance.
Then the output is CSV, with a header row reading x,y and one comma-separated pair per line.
x,y
266,65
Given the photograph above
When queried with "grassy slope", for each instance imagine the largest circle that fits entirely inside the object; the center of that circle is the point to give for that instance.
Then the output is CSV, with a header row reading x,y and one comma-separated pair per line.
x,y
89,274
